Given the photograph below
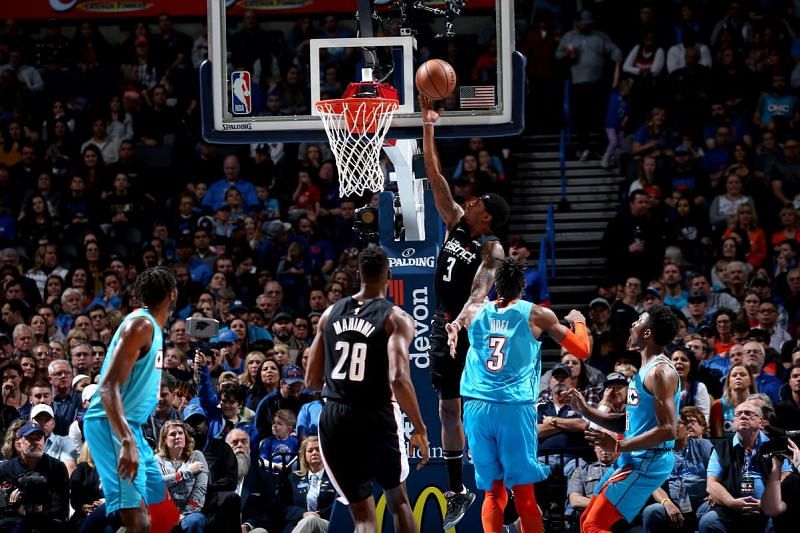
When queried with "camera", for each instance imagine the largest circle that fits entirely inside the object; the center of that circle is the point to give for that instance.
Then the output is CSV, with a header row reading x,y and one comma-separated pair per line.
x,y
202,328
366,224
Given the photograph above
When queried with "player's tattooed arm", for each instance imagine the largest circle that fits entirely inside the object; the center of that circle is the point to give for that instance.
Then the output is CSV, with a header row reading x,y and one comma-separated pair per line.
x,y
315,367
491,255
448,209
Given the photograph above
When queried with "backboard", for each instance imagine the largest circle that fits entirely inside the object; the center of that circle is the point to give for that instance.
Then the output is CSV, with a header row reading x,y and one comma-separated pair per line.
x,y
270,62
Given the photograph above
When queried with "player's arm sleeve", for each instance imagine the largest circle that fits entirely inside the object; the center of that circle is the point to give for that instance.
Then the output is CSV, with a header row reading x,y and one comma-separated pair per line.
x,y
577,342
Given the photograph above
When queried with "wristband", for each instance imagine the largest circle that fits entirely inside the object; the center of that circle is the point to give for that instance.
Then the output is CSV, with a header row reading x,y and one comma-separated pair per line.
x,y
665,501
428,123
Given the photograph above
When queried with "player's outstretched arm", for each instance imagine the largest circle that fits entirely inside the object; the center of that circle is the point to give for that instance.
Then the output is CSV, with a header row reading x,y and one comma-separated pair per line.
x,y
135,339
612,421
315,368
448,209
401,332
491,255
576,342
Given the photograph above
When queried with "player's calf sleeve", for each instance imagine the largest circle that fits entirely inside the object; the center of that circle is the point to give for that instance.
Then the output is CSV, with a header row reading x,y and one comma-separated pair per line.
x,y
600,515
578,342
494,503
529,514
164,516
453,459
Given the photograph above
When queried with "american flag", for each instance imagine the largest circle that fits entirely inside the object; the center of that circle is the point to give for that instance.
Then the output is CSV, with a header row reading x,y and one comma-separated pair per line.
x,y
476,96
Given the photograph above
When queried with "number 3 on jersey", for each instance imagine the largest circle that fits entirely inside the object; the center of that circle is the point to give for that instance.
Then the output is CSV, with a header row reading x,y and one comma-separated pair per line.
x,y
357,353
496,361
451,262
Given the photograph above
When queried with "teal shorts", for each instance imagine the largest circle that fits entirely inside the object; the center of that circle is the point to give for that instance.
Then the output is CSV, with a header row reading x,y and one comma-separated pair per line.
x,y
502,441
104,446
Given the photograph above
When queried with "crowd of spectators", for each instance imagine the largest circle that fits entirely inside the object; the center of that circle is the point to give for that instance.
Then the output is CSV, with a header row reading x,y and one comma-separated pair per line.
x,y
702,120
103,173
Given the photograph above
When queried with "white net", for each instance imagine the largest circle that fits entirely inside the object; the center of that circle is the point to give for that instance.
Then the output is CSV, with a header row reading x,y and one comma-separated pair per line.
x,y
356,128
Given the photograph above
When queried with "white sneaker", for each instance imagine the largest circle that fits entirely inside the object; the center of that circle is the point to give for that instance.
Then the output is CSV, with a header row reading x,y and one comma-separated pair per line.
x,y
585,155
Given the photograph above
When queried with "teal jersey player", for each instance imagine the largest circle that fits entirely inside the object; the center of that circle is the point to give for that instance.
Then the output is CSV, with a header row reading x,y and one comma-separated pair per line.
x,y
499,384
127,394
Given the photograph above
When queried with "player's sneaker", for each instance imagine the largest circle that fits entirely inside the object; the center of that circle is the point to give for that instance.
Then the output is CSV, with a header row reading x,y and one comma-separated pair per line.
x,y
457,505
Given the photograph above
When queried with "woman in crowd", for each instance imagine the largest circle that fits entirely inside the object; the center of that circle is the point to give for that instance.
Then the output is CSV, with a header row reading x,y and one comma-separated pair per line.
x,y
54,286
749,310
722,323
120,123
789,219
313,493
646,175
269,376
185,473
693,391
35,224
252,366
746,229
739,384
726,205
85,494
653,138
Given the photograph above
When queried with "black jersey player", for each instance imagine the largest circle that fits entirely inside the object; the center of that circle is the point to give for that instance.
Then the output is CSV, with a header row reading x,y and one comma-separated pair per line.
x,y
465,271
361,353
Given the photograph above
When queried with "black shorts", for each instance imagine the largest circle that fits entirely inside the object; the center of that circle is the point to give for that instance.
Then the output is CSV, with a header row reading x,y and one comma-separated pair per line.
x,y
445,370
362,446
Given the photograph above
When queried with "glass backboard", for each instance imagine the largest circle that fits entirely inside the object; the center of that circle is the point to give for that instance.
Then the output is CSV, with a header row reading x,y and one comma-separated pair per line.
x,y
270,62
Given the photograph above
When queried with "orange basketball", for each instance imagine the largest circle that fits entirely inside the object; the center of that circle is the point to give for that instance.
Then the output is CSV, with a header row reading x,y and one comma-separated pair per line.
x,y
435,79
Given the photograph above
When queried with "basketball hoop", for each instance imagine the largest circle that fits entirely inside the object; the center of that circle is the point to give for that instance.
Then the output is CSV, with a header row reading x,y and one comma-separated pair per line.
x,y
356,127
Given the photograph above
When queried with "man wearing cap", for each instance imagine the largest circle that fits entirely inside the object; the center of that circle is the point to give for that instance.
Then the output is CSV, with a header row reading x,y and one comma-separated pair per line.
x,y
56,446
651,297
465,271
44,502
559,425
605,337
228,345
290,395
696,311
282,327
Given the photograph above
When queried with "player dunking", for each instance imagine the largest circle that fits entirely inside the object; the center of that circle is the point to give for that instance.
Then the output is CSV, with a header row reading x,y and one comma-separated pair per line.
x,y
129,383
499,387
464,273
361,350
649,423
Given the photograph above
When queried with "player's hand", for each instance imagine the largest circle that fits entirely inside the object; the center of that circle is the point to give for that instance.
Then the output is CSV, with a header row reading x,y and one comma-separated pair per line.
x,y
575,316
452,337
128,462
603,439
419,440
429,114
577,401
674,514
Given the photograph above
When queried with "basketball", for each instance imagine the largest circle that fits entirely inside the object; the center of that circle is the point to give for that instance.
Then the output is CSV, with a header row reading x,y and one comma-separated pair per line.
x,y
435,79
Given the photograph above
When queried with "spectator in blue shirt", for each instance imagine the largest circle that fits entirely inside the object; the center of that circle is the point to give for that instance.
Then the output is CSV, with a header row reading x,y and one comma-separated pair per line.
x,y
215,197
754,357
276,449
